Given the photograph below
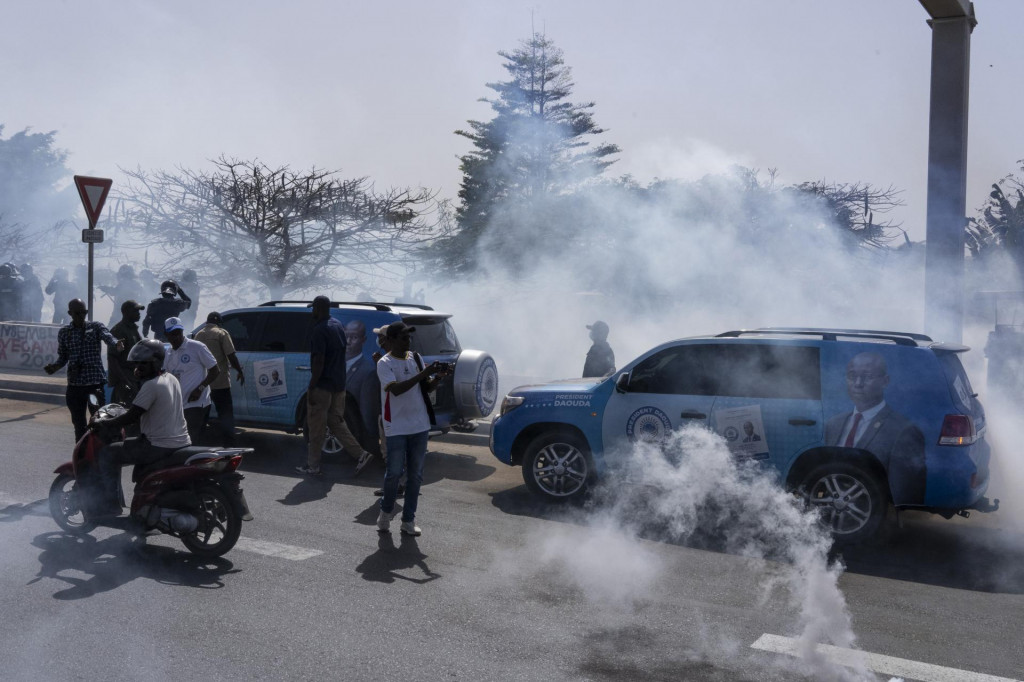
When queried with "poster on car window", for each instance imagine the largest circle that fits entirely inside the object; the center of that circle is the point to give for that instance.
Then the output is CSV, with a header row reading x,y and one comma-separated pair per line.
x,y
743,430
271,385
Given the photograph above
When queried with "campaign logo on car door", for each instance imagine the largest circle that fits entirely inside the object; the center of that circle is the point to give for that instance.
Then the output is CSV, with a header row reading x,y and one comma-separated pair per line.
x,y
271,384
648,425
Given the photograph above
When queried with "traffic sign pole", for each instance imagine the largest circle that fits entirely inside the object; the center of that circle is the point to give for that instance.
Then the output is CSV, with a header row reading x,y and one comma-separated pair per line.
x,y
93,192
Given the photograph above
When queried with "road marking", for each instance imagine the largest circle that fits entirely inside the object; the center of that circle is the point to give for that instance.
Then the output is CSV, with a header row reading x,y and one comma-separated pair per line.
x,y
885,665
276,549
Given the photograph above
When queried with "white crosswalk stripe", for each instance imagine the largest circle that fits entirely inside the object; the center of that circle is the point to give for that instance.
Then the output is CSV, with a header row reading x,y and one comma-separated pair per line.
x,y
885,665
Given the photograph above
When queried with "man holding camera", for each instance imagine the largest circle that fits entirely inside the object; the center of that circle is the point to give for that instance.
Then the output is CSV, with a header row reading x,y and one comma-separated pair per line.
x,y
78,347
407,415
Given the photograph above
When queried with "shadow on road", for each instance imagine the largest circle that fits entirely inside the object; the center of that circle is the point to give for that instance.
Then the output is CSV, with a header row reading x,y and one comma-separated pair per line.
x,y
927,550
385,565
118,560
17,512
944,553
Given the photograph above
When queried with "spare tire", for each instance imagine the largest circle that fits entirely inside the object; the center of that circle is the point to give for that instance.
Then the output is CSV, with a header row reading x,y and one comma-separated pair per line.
x,y
476,384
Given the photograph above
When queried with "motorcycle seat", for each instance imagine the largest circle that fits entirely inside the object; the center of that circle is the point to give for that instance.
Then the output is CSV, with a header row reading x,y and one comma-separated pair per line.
x,y
173,459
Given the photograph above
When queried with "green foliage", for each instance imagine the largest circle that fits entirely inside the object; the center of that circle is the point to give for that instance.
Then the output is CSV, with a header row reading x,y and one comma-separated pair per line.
x,y
525,160
34,193
999,225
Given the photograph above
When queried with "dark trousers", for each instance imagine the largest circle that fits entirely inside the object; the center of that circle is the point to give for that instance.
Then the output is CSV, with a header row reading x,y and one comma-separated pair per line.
x,y
77,399
116,455
221,398
195,417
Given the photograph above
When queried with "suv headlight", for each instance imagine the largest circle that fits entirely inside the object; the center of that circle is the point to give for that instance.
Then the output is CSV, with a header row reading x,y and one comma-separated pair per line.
x,y
510,403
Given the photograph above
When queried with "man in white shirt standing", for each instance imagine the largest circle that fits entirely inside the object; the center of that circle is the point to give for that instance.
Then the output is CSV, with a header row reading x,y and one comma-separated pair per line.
x,y
195,367
407,417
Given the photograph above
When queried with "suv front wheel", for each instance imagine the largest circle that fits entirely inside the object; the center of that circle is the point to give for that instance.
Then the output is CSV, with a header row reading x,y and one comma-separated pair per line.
x,y
557,466
851,501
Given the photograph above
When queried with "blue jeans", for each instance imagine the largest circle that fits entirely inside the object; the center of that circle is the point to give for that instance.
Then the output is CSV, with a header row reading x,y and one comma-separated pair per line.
x,y
408,453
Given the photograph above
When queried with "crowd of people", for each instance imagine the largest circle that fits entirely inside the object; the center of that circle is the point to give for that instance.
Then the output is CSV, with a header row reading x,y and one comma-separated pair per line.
x,y
169,390
23,296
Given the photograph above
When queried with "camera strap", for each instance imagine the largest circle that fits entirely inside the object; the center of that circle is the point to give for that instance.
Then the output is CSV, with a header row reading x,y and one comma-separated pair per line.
x,y
424,390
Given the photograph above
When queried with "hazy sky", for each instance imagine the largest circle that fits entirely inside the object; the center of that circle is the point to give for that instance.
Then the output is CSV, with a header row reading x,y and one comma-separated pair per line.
x,y
827,89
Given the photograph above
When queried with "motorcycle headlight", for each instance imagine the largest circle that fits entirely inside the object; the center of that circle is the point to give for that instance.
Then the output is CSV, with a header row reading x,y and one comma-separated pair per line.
x,y
510,403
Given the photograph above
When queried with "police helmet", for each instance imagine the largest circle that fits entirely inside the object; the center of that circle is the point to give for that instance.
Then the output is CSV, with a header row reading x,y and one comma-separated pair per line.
x,y
168,286
147,350
126,271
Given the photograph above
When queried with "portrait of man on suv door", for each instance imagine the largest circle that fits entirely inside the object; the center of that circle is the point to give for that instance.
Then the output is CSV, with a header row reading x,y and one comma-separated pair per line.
x,y
876,427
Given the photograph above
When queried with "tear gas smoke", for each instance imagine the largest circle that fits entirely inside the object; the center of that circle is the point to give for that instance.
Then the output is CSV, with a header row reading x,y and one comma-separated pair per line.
x,y
692,489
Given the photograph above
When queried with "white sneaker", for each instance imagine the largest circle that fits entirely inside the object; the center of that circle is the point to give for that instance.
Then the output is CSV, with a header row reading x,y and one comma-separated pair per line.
x,y
410,528
384,521
364,459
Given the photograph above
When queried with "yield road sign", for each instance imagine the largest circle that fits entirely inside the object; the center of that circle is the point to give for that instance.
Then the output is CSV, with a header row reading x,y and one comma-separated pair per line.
x,y
93,192
92,236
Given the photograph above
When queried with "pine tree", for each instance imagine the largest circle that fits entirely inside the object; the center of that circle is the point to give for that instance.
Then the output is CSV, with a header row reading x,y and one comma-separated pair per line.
x,y
533,152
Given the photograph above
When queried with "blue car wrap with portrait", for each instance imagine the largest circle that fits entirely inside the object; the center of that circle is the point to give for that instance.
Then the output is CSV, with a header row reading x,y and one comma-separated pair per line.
x,y
857,421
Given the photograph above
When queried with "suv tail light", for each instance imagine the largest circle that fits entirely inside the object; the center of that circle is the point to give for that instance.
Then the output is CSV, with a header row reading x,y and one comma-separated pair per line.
x,y
957,429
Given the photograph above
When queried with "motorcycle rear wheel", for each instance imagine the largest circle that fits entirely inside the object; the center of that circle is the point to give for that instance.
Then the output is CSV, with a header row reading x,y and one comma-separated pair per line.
x,y
219,524
66,503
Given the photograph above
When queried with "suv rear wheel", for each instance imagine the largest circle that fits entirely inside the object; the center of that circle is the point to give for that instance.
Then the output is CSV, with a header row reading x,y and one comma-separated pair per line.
x,y
851,501
557,466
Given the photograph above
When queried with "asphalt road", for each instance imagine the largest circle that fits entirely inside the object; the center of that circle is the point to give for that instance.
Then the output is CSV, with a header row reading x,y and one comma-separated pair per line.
x,y
499,587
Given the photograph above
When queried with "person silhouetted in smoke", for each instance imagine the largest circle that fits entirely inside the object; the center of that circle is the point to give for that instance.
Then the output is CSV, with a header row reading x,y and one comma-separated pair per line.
x,y
31,295
600,358
11,285
128,288
63,291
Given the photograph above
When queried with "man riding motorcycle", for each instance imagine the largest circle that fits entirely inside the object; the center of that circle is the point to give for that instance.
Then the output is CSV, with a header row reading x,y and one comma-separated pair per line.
x,y
158,409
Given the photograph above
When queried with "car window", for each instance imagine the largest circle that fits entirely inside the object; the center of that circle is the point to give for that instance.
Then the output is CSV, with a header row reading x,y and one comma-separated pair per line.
x,y
286,332
433,336
681,370
765,371
242,327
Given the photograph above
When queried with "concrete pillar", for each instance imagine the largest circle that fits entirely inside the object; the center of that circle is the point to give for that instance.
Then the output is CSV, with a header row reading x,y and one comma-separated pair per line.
x,y
947,177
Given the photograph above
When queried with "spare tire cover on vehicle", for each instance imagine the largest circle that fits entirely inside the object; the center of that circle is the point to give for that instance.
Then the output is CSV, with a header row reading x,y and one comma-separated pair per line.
x,y
476,384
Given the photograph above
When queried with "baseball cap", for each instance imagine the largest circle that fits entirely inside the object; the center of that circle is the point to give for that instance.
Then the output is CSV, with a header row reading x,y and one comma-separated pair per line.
x,y
598,326
381,330
131,305
214,317
172,323
396,329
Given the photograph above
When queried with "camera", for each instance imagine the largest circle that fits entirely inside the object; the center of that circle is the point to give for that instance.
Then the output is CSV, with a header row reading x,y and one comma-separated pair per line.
x,y
446,368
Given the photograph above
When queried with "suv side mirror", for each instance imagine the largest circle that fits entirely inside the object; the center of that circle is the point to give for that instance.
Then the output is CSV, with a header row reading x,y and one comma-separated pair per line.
x,y
622,383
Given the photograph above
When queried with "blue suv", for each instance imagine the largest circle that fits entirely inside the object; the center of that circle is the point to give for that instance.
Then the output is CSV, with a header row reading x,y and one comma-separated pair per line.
x,y
272,343
855,420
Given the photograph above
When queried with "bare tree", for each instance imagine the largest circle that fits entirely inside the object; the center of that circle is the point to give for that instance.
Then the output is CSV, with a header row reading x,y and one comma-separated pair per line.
x,y
853,207
286,230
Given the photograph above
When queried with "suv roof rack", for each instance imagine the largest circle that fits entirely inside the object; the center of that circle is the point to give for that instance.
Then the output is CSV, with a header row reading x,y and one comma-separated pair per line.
x,y
336,304
899,338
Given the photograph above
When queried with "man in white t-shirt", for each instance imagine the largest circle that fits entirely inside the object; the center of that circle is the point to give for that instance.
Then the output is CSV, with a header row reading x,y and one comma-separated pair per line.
x,y
157,408
407,417
195,368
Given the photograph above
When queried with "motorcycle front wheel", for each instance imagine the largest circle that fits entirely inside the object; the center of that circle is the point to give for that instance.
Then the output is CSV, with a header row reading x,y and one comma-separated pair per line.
x,y
66,506
219,524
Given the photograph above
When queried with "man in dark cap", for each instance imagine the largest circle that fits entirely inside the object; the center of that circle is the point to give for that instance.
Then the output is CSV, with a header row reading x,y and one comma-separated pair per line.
x,y
123,383
168,305
600,358
218,340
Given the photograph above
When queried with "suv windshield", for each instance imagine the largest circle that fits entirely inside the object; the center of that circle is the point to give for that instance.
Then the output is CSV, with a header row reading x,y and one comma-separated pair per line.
x,y
434,336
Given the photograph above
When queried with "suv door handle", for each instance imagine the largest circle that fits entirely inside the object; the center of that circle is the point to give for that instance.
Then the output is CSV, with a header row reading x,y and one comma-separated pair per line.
x,y
303,368
689,414
802,422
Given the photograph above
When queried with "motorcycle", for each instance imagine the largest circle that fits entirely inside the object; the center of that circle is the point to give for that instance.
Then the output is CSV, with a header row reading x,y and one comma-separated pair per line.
x,y
192,494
